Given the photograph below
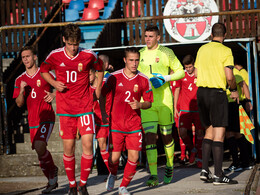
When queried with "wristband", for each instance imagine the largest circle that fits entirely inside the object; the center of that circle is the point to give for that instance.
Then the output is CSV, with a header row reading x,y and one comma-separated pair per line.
x,y
248,100
233,90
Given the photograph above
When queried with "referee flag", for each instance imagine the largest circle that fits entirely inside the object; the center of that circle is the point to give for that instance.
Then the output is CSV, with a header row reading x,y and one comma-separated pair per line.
x,y
245,125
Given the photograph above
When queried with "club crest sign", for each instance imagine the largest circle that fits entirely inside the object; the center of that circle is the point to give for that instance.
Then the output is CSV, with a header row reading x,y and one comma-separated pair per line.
x,y
193,28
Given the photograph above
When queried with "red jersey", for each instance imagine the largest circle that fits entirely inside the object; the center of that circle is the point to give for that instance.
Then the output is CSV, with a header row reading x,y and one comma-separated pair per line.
x,y
76,99
188,93
38,110
124,89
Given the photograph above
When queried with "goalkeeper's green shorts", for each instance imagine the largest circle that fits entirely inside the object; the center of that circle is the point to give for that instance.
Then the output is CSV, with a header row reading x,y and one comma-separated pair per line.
x,y
161,114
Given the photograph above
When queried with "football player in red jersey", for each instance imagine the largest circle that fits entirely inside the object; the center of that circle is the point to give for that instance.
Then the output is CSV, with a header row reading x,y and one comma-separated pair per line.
x,y
128,86
185,95
74,100
31,88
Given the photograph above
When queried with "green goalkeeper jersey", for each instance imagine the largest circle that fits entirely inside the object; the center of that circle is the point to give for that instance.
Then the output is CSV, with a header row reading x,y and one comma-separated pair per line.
x,y
161,60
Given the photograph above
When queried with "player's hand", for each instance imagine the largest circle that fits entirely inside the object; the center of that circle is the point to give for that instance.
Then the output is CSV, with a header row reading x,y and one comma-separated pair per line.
x,y
22,86
249,106
135,104
235,96
49,97
158,80
59,86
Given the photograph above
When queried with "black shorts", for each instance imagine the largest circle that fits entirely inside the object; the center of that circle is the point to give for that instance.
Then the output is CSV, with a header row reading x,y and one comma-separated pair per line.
x,y
233,117
213,107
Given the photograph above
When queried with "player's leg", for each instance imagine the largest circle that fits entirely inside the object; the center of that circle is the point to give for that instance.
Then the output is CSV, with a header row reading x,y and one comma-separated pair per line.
x,y
133,145
219,114
101,135
68,131
86,128
165,125
45,158
150,125
185,124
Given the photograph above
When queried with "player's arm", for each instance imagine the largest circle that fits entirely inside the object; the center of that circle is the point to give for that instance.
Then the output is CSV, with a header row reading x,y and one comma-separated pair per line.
x,y
100,76
140,105
176,98
231,80
245,89
20,99
59,86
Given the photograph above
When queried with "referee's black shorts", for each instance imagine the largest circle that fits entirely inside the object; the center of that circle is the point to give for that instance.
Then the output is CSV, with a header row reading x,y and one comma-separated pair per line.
x,y
213,107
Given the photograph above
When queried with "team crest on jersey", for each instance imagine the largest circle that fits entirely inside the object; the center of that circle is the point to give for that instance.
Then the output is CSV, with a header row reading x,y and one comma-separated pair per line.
x,y
135,88
80,67
195,80
38,82
157,59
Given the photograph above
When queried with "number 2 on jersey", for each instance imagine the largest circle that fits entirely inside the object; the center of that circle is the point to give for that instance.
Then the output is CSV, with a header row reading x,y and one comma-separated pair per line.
x,y
128,96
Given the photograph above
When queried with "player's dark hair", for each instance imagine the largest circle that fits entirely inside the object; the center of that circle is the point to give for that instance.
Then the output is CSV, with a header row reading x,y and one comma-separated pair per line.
x,y
188,59
131,50
72,32
28,47
151,28
218,30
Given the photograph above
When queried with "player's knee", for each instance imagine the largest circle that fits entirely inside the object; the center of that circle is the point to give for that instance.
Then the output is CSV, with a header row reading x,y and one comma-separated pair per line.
x,y
102,144
40,147
150,138
166,129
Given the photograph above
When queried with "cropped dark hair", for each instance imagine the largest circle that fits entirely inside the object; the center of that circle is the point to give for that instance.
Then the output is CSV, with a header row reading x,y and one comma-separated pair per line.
x,y
188,59
131,50
73,32
151,28
28,47
218,30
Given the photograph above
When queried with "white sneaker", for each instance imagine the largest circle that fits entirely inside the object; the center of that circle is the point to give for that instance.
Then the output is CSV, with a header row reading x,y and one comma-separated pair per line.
x,y
110,182
123,191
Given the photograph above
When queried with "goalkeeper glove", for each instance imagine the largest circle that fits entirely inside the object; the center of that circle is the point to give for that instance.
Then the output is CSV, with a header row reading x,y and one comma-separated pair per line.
x,y
158,80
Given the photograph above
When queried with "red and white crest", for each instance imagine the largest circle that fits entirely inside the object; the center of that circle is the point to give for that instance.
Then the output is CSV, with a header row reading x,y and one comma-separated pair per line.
x,y
193,28
38,82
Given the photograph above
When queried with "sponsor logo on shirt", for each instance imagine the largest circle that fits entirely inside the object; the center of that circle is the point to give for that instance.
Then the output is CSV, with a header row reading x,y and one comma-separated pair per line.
x,y
38,82
62,64
80,67
120,84
135,88
185,79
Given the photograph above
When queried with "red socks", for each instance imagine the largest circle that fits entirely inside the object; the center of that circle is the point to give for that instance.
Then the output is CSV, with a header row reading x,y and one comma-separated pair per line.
x,y
183,148
129,173
187,141
113,167
46,163
86,164
69,164
105,156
